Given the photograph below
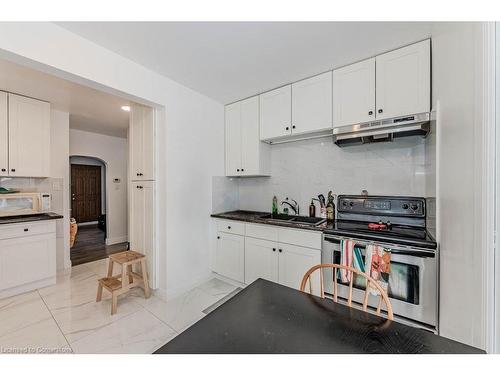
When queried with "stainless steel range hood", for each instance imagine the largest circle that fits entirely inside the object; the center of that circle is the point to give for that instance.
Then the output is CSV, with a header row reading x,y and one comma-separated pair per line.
x,y
383,130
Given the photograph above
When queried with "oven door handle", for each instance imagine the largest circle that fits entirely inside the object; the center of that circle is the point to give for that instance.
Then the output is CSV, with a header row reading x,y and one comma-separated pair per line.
x,y
421,253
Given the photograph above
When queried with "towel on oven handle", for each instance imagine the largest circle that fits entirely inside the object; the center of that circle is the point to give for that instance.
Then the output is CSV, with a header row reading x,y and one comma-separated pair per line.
x,y
350,256
378,266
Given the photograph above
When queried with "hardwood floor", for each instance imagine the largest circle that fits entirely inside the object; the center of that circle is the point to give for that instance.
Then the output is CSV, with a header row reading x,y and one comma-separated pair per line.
x,y
90,246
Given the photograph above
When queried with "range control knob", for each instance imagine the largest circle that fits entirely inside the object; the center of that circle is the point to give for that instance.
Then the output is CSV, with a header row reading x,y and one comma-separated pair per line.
x,y
405,206
351,204
414,206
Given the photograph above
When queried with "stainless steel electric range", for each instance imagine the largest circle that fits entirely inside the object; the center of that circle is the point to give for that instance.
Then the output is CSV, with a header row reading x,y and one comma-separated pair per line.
x,y
397,223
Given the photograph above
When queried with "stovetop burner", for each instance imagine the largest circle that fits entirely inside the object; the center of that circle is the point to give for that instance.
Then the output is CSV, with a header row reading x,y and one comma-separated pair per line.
x,y
397,220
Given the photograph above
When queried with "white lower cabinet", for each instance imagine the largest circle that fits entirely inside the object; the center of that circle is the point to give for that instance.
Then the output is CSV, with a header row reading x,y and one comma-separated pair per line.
x,y
27,257
261,260
229,260
294,262
256,253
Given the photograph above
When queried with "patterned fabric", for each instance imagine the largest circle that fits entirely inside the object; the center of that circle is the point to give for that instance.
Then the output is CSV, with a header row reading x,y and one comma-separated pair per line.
x,y
378,266
350,256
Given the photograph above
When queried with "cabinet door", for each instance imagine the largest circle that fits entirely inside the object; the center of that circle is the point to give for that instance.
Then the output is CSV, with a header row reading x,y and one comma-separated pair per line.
x,y
142,143
233,139
276,113
29,137
230,256
142,224
403,81
261,260
294,261
27,259
354,93
250,140
312,104
4,136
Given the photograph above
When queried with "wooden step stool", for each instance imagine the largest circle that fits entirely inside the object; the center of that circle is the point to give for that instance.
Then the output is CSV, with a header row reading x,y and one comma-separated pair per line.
x,y
122,283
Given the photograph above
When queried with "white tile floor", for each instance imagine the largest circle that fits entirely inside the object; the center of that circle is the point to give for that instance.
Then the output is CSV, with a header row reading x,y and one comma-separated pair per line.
x,y
64,318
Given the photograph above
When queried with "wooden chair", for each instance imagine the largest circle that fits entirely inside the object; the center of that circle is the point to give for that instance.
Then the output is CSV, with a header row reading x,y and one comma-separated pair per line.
x,y
122,283
352,271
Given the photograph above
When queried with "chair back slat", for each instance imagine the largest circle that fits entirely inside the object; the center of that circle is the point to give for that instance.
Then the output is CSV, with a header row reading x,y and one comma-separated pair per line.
x,y
352,272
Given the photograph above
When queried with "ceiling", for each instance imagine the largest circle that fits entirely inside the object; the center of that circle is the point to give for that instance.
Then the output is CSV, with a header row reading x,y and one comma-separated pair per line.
x,y
89,109
228,61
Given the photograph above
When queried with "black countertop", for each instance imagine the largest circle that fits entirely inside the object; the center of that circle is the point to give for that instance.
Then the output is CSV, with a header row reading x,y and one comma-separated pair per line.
x,y
29,218
267,317
256,217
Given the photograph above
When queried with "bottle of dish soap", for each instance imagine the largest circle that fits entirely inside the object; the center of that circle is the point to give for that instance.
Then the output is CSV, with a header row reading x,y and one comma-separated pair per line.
x,y
275,206
312,209
330,207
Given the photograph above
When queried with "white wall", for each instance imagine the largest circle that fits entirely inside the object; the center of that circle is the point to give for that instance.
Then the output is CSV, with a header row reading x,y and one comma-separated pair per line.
x,y
302,170
190,139
457,79
113,151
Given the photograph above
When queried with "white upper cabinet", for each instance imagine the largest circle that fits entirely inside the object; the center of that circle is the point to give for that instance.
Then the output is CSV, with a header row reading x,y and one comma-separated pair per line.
x,y
142,143
246,155
4,135
276,113
29,137
312,104
354,93
403,81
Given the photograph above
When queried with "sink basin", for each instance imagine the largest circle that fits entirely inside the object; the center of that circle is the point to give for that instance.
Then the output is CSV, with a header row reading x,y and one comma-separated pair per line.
x,y
278,217
308,220
301,220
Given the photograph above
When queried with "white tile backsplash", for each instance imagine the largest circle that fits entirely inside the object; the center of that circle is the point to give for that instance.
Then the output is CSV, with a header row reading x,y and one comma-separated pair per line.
x,y
302,170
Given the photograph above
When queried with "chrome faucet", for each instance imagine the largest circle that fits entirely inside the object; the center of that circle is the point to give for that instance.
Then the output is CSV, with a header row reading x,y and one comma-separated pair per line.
x,y
294,206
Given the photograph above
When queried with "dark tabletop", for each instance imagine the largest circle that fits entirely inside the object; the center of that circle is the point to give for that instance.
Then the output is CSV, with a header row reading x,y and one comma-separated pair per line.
x,y
29,218
270,318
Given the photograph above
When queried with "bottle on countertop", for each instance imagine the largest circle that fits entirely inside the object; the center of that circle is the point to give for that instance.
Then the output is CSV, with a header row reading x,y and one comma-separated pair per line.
x,y
330,207
275,206
312,209
322,204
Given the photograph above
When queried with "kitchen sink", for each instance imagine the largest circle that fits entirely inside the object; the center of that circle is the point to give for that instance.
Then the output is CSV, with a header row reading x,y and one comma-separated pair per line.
x,y
308,220
300,220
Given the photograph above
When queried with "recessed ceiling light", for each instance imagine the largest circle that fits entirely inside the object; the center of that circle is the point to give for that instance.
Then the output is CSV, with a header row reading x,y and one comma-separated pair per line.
x,y
126,108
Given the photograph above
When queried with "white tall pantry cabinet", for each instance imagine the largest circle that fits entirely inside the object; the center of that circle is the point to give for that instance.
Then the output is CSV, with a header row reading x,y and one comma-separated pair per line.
x,y
142,187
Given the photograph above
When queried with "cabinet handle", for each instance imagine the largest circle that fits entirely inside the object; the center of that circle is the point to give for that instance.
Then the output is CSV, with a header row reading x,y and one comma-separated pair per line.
x,y
274,249
238,170
242,169
26,229
287,128
13,170
380,110
293,126
370,113
218,237
4,170
228,227
280,250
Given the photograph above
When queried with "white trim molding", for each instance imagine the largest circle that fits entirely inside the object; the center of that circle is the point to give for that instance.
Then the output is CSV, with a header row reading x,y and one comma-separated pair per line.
x,y
489,181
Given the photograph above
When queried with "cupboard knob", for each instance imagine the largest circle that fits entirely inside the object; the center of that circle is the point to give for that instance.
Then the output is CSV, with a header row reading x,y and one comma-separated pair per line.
x,y
26,229
242,169
280,250
370,113
287,128
293,126
380,110
274,249
228,227
13,170
4,170
238,170
218,237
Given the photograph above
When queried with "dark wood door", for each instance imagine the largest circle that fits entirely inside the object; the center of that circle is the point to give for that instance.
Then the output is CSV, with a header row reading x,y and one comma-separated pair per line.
x,y
85,192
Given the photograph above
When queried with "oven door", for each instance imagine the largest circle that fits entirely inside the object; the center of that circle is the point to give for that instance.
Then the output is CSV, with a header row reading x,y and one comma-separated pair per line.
x,y
413,282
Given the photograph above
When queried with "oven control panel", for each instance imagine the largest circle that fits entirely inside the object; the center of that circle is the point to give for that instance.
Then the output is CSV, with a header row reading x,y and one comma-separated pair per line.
x,y
375,205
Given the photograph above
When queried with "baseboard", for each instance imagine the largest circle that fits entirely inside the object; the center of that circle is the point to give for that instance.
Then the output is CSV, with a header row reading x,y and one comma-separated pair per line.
x,y
27,287
113,240
171,293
